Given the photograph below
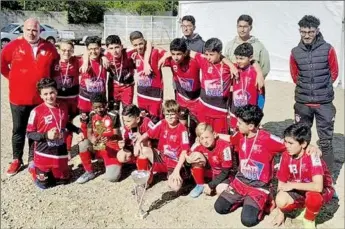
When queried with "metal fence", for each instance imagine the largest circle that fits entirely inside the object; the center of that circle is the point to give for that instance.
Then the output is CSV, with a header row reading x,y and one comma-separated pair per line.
x,y
157,29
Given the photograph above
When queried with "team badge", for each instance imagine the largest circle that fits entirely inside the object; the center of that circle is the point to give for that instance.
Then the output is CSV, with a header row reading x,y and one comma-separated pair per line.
x,y
210,69
297,118
43,52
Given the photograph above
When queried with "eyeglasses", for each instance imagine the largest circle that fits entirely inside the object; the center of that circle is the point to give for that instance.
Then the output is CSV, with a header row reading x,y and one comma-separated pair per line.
x,y
310,32
186,26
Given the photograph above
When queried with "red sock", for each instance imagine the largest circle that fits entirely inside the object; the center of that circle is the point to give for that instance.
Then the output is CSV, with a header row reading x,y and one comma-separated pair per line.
x,y
198,174
69,141
143,164
85,158
313,204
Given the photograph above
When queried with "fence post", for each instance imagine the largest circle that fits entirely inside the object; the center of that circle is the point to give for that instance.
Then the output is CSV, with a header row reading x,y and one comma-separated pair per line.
x,y
151,28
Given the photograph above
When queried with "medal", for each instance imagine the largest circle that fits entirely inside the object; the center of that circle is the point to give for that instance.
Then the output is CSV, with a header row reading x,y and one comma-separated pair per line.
x,y
64,78
63,89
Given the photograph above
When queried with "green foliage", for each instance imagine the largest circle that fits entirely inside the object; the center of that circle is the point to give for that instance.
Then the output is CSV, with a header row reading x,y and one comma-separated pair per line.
x,y
85,12
11,5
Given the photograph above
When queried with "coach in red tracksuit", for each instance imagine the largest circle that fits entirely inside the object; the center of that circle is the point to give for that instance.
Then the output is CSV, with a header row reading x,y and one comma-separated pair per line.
x,y
24,62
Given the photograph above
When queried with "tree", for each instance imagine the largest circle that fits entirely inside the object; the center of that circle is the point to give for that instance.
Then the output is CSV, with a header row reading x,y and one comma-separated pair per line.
x,y
11,5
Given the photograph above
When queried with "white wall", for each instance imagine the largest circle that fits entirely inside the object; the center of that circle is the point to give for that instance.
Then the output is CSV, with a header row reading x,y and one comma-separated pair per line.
x,y
275,24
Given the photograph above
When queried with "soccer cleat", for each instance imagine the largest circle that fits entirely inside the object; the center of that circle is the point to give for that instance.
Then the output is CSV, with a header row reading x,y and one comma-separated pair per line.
x,y
39,185
14,167
87,176
197,191
32,170
301,216
307,224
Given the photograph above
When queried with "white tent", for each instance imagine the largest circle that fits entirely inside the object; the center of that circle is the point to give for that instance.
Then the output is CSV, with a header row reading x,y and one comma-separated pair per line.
x,y
275,24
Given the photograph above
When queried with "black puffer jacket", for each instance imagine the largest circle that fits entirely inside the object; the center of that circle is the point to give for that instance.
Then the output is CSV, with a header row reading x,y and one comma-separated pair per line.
x,y
314,82
195,43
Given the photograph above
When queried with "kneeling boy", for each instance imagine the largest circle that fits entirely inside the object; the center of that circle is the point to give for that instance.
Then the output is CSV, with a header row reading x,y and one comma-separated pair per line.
x,y
173,145
304,180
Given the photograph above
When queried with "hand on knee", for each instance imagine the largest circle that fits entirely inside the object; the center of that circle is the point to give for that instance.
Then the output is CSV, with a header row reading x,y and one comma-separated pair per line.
x,y
221,188
174,185
123,156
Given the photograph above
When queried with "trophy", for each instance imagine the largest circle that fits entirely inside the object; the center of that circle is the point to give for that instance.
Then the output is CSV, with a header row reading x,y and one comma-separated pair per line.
x,y
140,178
99,129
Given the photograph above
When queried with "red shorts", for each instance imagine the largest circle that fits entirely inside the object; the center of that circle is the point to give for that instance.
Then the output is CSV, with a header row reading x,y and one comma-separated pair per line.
x,y
58,165
191,105
124,93
257,197
299,196
162,164
84,105
217,119
153,107
72,104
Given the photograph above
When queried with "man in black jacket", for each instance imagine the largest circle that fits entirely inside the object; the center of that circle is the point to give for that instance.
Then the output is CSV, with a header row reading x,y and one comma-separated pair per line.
x,y
314,68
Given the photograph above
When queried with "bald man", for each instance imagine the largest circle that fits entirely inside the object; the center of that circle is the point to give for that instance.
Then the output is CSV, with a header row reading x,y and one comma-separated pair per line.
x,y
24,62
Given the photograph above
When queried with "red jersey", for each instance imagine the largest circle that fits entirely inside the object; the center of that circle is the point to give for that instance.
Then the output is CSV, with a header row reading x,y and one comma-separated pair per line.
x,y
186,76
303,169
171,141
122,69
256,155
215,84
244,89
109,122
66,75
150,86
218,158
42,119
93,81
144,125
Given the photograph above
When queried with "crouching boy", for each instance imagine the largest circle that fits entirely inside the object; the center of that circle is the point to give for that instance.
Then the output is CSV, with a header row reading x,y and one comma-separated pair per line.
x,y
304,180
103,133
173,144
47,126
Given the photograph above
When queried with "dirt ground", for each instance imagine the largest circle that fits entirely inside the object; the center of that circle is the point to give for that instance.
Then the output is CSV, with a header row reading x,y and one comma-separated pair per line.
x,y
101,204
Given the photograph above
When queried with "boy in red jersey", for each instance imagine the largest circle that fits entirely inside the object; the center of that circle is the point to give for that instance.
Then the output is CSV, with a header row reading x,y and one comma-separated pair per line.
x,y
103,133
121,71
47,127
212,159
304,181
93,81
186,77
244,88
150,87
251,186
66,75
215,86
173,145
134,126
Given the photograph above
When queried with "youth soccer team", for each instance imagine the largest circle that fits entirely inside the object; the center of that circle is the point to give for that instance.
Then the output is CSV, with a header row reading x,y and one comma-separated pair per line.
x,y
210,132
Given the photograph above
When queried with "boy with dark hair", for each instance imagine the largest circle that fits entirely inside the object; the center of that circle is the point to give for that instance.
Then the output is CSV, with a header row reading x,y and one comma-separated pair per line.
x,y
193,40
47,127
150,87
256,150
314,69
260,54
121,71
93,81
186,76
244,89
103,133
173,145
134,126
215,85
210,158
303,180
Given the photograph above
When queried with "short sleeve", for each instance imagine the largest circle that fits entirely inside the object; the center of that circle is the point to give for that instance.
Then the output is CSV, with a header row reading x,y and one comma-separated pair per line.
x,y
226,157
155,131
283,172
316,165
32,122
167,62
235,139
200,59
275,144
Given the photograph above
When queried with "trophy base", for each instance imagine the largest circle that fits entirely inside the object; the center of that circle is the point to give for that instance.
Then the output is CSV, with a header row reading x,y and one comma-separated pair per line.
x,y
142,214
